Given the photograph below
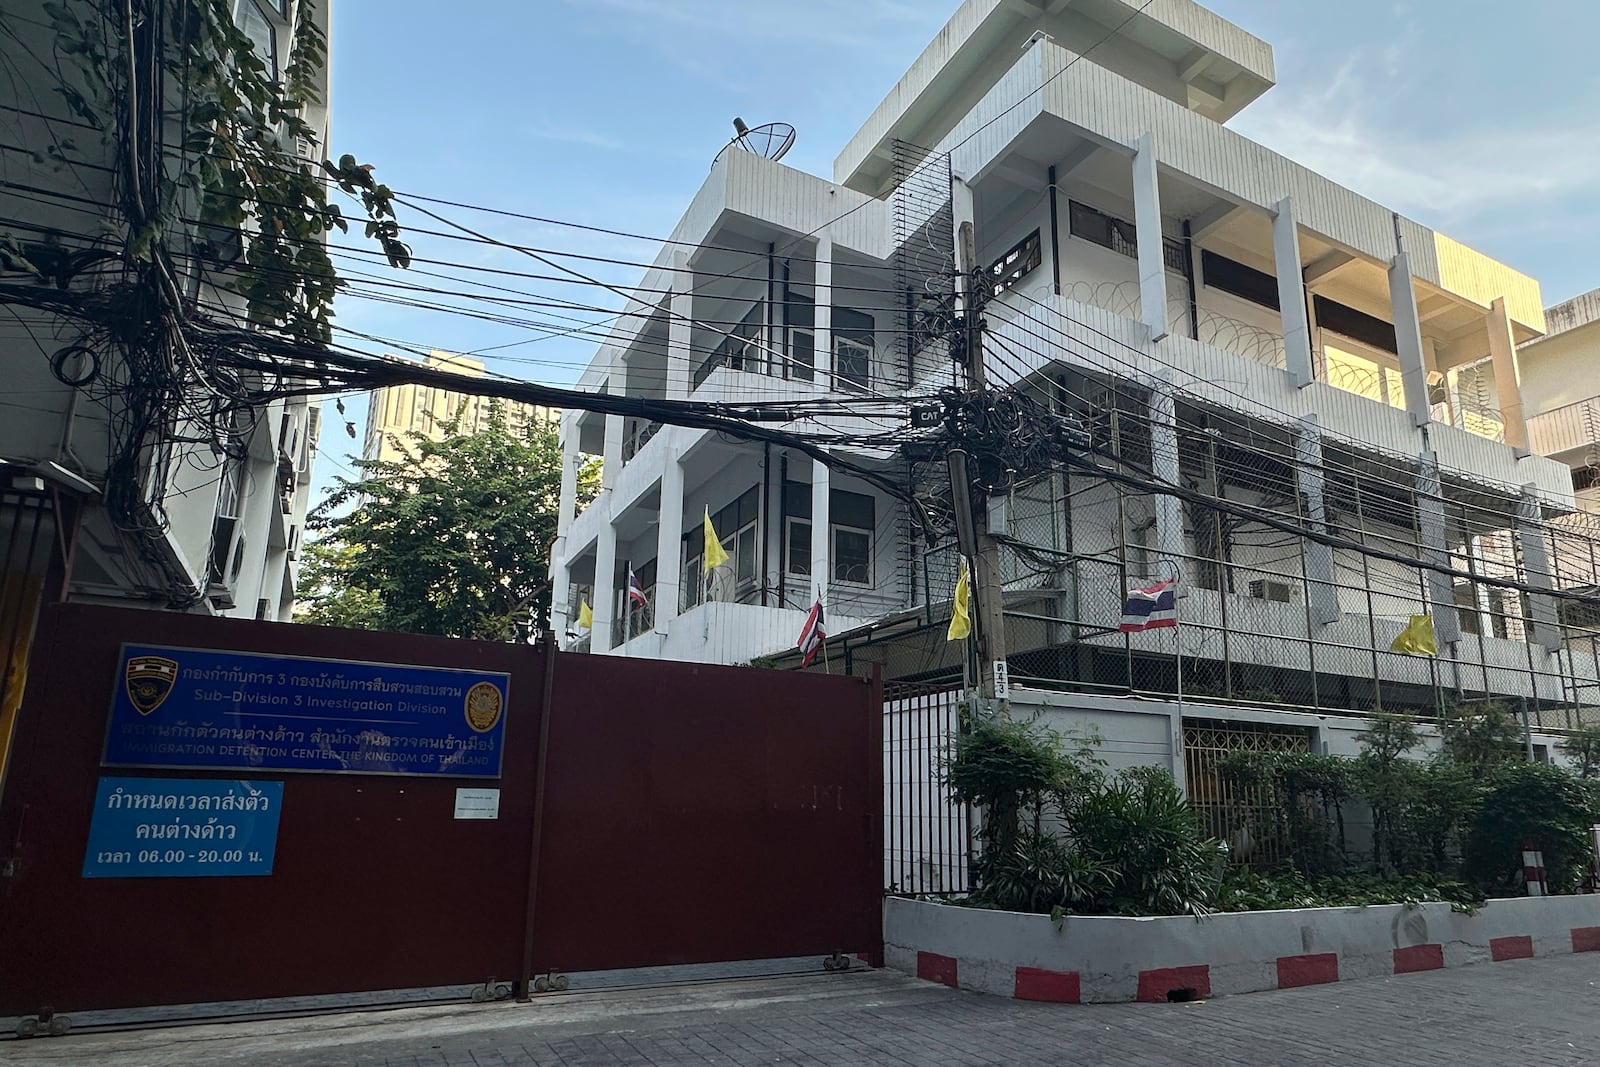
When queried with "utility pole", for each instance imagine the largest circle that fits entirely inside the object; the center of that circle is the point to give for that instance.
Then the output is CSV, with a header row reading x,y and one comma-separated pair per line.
x,y
972,523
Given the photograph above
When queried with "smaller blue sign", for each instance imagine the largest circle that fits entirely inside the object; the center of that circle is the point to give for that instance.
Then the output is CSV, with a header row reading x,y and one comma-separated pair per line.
x,y
182,828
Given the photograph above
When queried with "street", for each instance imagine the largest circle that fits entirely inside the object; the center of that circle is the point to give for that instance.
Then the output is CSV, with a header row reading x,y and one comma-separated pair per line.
x,y
1531,1011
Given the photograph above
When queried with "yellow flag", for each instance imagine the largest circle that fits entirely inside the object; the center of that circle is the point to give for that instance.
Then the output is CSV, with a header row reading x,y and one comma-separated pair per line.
x,y
960,610
715,554
1417,638
585,616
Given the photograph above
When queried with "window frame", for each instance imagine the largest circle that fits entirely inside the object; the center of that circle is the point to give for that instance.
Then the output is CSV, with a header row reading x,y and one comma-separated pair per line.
x,y
865,350
834,530
262,11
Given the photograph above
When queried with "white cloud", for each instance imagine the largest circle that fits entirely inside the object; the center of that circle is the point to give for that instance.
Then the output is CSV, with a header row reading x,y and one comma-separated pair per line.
x,y
1347,132
547,131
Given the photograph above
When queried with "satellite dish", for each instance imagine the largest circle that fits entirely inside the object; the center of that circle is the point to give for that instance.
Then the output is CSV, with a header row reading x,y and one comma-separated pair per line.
x,y
771,141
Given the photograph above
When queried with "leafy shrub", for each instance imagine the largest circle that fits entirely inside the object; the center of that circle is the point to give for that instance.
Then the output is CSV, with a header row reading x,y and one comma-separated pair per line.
x,y
1243,890
1147,838
1485,737
1583,746
1059,836
1529,801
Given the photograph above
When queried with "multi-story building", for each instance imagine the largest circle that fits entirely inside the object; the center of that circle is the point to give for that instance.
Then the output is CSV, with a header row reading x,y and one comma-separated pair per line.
x,y
396,411
1560,383
1331,385
143,483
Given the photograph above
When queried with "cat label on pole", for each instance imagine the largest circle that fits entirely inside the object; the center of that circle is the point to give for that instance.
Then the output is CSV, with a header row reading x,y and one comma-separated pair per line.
x,y
1002,680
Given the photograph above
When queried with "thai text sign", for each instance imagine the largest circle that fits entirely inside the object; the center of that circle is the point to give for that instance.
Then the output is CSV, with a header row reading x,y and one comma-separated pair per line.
x,y
182,828
215,709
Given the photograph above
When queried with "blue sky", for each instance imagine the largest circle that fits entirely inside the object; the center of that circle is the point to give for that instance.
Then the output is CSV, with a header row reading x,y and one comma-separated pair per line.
x,y
608,112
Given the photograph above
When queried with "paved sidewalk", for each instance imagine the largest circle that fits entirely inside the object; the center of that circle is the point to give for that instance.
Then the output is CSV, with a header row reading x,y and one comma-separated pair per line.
x,y
1527,1011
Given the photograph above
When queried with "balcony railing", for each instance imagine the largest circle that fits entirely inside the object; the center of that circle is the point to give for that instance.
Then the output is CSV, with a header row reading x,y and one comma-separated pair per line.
x,y
638,435
1566,428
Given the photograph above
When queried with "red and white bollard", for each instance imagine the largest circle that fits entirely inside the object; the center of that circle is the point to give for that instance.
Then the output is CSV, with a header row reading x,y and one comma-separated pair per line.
x,y
1533,869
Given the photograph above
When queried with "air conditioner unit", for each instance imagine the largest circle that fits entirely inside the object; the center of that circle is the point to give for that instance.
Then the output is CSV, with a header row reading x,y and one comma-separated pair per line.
x,y
293,551
1278,592
228,543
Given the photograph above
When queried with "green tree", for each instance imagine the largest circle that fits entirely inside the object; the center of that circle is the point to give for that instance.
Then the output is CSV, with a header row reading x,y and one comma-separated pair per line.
x,y
453,538
326,594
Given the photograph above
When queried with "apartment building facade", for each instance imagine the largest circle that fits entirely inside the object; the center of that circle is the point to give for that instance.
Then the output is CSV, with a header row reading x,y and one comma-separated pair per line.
x,y
117,484
1216,316
395,411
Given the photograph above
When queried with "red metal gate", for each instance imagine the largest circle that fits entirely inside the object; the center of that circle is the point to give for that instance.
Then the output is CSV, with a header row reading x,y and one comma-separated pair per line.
x,y
678,814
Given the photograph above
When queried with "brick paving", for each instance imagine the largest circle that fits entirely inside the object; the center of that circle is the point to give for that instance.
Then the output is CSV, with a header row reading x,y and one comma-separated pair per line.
x,y
1524,1011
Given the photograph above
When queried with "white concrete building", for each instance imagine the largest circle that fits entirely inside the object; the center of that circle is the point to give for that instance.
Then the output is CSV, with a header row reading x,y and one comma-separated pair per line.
x,y
1219,316
210,519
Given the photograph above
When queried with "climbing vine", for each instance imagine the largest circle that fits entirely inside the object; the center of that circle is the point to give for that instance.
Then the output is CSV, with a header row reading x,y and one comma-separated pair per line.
x,y
248,159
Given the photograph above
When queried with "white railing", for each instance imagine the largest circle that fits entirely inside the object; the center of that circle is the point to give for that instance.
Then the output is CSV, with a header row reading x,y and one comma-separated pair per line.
x,y
1565,428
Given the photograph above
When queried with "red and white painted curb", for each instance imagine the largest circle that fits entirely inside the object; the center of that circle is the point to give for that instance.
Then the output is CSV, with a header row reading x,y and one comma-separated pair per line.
x,y
1193,982
1101,962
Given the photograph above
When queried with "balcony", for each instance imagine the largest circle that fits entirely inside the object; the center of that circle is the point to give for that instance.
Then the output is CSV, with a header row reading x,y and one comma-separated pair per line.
x,y
1573,428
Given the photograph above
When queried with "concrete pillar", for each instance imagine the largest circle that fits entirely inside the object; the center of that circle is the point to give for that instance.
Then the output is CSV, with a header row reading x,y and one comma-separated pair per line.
x,y
1536,570
1147,225
616,385
1408,339
819,530
1435,549
669,542
1322,593
1164,464
605,581
560,574
571,459
1292,294
822,291
1507,377
680,329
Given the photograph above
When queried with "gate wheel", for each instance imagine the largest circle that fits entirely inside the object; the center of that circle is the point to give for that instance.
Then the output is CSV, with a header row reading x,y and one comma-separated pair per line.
x,y
28,1027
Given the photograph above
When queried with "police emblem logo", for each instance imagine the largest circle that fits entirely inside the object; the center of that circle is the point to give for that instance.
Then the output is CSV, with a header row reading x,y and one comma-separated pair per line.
x,y
484,704
148,680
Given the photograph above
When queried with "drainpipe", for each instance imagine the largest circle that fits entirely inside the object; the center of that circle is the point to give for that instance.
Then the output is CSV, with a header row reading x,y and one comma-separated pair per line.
x,y
766,516
783,487
1055,235
1188,278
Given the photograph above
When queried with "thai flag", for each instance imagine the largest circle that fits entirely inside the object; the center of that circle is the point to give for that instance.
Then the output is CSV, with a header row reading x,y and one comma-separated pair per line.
x,y
636,591
1150,608
812,634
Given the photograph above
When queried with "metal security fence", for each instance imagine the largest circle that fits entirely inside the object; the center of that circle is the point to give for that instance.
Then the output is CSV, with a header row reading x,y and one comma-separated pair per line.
x,y
1237,812
927,837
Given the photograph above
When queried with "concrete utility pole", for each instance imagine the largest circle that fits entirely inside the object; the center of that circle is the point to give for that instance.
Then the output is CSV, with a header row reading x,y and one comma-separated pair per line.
x,y
987,587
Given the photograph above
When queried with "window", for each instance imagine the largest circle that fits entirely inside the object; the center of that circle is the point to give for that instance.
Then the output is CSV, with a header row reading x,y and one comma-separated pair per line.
x,y
852,518
800,314
852,363
797,548
254,24
1368,329
1015,264
1585,478
738,526
1467,616
1240,280
852,555
1119,235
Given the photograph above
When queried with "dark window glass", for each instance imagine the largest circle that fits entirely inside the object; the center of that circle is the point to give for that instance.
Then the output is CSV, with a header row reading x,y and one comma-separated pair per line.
x,y
1368,329
852,556
1234,277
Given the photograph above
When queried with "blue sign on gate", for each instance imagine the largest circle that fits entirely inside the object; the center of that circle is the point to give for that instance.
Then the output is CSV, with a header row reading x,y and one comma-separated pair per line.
x,y
182,828
220,710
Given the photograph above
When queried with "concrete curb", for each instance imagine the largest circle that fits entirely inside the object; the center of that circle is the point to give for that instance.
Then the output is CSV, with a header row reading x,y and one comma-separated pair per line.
x,y
1102,959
